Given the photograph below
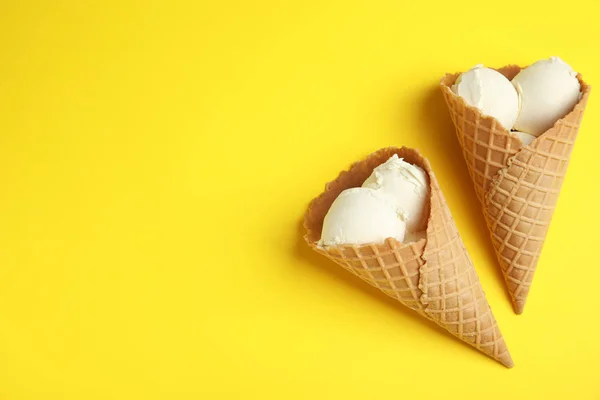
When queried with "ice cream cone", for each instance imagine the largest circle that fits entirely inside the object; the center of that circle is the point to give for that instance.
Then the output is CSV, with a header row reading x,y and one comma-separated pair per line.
x,y
517,187
433,276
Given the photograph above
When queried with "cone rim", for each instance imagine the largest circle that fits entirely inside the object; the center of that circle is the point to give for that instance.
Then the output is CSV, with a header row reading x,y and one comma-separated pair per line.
x,y
510,71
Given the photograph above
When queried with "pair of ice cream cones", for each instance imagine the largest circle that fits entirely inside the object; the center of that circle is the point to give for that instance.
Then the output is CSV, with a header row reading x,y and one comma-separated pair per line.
x,y
518,188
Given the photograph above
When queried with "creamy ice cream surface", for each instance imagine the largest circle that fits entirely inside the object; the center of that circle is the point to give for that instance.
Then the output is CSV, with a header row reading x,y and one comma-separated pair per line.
x,y
360,216
549,90
408,185
526,138
491,92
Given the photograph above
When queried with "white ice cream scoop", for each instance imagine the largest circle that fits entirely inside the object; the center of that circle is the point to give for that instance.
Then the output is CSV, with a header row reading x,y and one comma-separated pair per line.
x,y
526,138
490,92
408,185
549,89
360,216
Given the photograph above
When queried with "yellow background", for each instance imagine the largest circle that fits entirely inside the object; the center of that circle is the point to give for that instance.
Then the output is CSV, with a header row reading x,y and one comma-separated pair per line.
x,y
156,160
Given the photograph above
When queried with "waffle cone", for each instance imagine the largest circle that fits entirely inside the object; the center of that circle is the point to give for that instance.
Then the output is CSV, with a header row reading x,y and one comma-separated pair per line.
x,y
517,186
433,276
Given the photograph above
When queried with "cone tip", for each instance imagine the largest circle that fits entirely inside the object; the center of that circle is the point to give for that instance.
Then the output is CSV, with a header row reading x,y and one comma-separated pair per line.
x,y
507,361
519,306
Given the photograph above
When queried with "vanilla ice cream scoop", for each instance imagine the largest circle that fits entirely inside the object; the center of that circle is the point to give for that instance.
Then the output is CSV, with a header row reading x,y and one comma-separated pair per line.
x,y
360,216
490,92
408,185
549,89
526,138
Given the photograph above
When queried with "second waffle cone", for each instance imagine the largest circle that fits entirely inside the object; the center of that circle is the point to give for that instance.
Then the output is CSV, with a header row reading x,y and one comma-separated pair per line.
x,y
433,276
517,187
